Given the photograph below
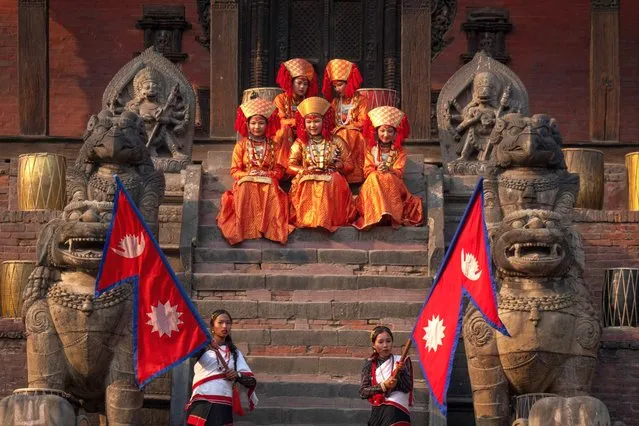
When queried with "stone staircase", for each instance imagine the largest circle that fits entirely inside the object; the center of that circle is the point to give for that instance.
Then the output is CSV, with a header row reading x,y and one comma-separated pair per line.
x,y
302,312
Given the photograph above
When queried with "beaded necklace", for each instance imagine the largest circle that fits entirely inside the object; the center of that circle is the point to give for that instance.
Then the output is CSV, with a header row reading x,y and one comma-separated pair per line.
x,y
341,121
318,149
390,160
256,159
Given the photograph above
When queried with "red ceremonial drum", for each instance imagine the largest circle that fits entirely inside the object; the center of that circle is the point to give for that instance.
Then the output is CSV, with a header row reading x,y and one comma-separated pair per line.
x,y
380,97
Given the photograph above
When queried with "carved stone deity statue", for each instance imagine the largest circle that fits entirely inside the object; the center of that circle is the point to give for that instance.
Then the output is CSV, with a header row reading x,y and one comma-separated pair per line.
x,y
468,106
539,261
157,90
79,347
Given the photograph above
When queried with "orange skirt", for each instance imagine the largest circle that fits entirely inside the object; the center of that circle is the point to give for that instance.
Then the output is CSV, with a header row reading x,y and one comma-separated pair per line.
x,y
254,210
385,195
325,204
357,147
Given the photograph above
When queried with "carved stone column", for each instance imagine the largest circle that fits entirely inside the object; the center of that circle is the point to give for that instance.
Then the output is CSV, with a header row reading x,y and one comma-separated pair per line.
x,y
391,53
33,66
415,65
259,60
224,67
604,69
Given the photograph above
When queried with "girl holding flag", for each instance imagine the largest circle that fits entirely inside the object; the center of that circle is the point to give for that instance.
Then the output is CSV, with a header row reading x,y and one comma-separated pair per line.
x,y
387,382
218,371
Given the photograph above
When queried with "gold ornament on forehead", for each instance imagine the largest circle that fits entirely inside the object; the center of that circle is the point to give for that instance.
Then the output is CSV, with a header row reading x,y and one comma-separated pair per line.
x,y
386,116
313,105
299,67
258,106
339,69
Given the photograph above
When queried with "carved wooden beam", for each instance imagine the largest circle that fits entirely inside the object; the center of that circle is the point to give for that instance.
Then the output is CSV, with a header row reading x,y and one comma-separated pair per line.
x,y
604,70
391,39
33,66
260,41
224,67
415,66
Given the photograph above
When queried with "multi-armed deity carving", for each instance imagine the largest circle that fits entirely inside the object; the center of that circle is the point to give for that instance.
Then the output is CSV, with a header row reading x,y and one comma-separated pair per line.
x,y
469,105
539,261
79,348
156,89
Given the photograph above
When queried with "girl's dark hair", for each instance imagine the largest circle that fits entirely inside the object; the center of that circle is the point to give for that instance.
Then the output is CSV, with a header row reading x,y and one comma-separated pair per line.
x,y
228,340
375,333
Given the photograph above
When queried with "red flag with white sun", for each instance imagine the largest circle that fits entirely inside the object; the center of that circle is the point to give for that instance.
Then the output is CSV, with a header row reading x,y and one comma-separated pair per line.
x,y
166,326
466,269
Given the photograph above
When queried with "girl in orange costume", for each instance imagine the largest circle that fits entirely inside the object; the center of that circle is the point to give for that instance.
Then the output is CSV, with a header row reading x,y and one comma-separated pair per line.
x,y
256,206
384,194
298,80
320,195
350,110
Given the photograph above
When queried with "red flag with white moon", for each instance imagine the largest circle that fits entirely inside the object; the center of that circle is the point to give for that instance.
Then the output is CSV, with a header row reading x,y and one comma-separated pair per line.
x,y
466,269
166,326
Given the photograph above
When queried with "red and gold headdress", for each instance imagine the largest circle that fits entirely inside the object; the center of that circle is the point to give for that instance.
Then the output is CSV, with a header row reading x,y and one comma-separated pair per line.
x,y
341,69
257,106
293,68
389,116
314,106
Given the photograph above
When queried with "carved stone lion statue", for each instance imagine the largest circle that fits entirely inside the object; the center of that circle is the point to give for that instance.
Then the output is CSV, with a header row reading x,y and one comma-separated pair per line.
x,y
543,301
79,345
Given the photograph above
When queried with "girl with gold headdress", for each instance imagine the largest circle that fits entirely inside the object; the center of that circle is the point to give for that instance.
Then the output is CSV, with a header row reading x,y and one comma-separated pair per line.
x,y
384,196
390,395
344,78
320,195
256,206
298,80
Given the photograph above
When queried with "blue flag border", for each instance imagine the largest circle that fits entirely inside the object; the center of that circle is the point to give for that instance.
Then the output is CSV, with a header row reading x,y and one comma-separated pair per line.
x,y
477,191
134,279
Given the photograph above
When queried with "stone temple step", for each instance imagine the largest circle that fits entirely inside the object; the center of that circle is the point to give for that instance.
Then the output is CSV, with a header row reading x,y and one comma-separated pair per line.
x,y
379,254
285,280
328,311
322,400
209,232
275,337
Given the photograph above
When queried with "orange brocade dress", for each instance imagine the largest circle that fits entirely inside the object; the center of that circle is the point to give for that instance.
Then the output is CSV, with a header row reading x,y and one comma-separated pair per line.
x,y
256,206
350,115
286,109
320,198
384,194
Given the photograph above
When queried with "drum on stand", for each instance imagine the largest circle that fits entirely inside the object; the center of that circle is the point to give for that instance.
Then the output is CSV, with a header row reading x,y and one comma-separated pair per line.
x,y
15,274
380,97
620,301
41,181
589,165
268,93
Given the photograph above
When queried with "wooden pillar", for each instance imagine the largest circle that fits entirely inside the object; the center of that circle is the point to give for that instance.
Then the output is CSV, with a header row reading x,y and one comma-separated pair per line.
x,y
33,66
391,57
604,70
415,65
259,61
224,67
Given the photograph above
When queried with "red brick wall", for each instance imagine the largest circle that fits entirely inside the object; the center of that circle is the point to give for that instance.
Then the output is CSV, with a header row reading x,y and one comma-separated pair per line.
x,y
87,46
9,124
550,51
610,241
629,64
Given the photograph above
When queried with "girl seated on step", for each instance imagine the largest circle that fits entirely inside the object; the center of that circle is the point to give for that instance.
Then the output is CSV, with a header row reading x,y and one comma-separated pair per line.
x,y
384,197
256,206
